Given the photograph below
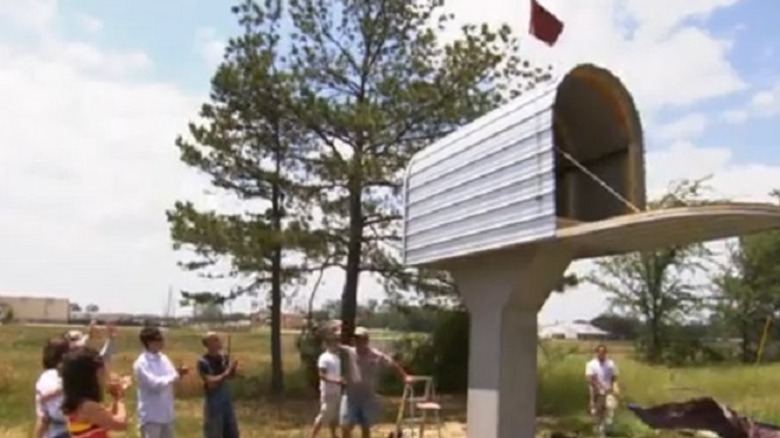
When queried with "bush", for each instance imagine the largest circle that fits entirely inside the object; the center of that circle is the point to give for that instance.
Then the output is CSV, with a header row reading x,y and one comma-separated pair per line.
x,y
6,314
444,354
6,378
309,344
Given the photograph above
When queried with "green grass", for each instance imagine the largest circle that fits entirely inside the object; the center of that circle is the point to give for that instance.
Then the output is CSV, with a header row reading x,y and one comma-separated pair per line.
x,y
561,401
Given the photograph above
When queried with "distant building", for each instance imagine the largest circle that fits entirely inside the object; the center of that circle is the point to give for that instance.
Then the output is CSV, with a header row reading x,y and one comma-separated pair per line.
x,y
290,321
36,309
575,330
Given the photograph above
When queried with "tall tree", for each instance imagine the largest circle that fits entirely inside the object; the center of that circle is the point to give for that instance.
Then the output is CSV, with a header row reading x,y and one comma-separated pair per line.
x,y
250,149
748,289
656,286
374,85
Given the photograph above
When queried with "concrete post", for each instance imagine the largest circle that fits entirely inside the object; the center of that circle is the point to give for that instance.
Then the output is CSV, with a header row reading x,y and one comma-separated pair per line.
x,y
503,294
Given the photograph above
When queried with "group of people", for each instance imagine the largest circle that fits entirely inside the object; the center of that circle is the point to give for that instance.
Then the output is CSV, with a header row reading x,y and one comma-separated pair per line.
x,y
348,381
69,394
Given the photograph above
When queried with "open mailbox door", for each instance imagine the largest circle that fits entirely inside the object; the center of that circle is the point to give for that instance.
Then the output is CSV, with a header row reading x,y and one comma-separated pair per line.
x,y
599,148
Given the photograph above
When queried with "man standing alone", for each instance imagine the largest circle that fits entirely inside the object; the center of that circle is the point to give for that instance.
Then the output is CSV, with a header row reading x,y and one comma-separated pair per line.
x,y
155,375
602,373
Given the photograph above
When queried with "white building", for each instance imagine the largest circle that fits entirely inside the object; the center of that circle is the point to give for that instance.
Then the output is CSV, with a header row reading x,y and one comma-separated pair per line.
x,y
37,309
575,330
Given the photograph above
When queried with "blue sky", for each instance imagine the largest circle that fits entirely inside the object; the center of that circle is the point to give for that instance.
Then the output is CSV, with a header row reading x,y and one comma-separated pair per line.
x,y
96,90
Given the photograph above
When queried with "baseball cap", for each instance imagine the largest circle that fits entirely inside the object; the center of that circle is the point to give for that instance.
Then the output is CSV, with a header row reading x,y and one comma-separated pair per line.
x,y
76,338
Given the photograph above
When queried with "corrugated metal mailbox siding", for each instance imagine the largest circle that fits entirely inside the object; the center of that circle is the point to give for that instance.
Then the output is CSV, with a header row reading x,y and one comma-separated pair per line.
x,y
488,185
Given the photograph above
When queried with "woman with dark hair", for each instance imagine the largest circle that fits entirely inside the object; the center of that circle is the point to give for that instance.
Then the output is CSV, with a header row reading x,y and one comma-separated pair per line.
x,y
83,379
50,423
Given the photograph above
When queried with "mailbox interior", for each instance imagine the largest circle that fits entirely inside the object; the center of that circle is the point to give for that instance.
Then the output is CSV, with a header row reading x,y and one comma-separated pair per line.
x,y
596,123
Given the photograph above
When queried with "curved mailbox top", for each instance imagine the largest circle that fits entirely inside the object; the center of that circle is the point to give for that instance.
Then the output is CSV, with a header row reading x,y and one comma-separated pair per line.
x,y
492,183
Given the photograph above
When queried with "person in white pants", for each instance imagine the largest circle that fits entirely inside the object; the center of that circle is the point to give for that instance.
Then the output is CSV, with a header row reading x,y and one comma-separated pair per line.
x,y
156,376
332,380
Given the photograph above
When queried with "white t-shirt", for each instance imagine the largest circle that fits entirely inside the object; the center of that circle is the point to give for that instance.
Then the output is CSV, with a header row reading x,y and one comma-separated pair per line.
x,y
605,372
49,382
330,363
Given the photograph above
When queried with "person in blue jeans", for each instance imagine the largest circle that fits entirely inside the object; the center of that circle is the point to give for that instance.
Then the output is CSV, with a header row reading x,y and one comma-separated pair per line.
x,y
215,368
360,404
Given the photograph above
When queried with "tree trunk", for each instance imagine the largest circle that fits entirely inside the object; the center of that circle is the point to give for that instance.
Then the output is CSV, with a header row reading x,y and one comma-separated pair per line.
x,y
745,343
354,250
655,340
277,367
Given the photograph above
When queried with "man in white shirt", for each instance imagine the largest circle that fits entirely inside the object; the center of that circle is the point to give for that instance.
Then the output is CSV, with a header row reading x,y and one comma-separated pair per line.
x,y
331,381
602,374
155,375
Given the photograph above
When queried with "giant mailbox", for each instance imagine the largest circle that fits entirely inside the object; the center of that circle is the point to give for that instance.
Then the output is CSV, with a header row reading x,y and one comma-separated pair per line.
x,y
506,202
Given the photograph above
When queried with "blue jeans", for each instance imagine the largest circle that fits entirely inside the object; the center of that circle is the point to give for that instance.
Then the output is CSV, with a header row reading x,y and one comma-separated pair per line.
x,y
359,411
219,418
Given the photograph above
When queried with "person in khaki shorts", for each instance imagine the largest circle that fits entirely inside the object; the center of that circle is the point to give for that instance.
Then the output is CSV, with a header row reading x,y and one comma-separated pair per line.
x,y
602,375
331,382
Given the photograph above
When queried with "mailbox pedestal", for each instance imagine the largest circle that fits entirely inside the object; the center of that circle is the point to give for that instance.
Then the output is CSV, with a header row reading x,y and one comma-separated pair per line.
x,y
504,293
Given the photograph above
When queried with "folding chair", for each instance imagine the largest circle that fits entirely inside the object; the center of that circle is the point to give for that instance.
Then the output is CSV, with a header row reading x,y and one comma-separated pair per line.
x,y
418,409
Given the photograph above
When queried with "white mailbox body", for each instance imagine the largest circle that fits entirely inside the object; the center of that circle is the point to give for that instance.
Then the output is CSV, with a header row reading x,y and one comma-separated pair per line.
x,y
492,183
486,186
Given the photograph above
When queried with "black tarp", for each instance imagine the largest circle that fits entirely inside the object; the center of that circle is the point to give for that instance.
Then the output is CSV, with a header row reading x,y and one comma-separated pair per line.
x,y
704,414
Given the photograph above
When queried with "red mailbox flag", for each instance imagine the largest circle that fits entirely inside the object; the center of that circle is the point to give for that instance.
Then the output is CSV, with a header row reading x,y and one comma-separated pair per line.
x,y
544,25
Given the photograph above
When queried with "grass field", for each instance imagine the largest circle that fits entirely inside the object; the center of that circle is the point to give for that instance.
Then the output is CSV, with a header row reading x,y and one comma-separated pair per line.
x,y
561,402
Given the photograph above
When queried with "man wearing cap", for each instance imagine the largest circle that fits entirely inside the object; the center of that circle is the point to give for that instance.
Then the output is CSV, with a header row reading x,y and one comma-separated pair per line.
x,y
77,338
215,368
360,404
155,375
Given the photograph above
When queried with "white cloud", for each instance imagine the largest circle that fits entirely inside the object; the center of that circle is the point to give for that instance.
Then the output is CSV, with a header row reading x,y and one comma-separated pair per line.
x,y
36,15
89,23
735,116
688,127
761,104
210,46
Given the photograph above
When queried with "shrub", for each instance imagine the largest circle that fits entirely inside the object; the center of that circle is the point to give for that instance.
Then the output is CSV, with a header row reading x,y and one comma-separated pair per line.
x,y
6,378
309,344
6,314
444,354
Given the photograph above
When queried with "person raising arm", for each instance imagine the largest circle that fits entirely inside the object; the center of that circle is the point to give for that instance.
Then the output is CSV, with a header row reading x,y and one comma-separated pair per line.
x,y
83,379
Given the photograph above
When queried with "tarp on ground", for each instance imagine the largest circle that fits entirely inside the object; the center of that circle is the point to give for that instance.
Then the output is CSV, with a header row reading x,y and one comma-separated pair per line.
x,y
704,414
